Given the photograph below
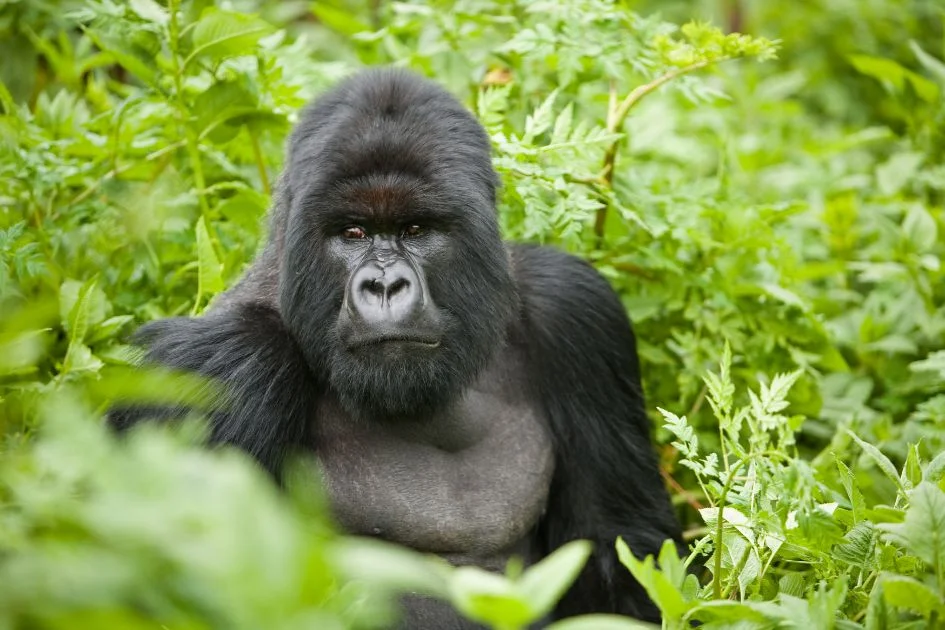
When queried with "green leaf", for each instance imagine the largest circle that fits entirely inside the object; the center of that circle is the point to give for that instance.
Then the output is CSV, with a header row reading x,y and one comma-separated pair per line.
x,y
935,469
658,586
883,462
857,547
384,564
886,71
209,269
920,228
545,582
895,173
150,11
489,598
906,592
600,622
96,306
930,63
222,34
922,533
792,584
344,22
912,470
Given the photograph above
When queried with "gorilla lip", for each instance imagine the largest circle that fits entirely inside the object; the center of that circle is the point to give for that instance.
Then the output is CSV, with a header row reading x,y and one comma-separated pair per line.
x,y
427,342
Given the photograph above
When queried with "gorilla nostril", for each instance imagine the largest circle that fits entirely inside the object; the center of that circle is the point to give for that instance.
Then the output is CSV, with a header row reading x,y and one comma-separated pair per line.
x,y
373,286
400,285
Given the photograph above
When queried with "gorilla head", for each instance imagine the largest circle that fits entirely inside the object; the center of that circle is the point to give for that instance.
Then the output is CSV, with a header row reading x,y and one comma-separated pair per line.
x,y
395,279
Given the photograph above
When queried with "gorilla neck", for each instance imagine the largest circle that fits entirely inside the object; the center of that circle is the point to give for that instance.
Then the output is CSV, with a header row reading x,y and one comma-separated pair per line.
x,y
450,482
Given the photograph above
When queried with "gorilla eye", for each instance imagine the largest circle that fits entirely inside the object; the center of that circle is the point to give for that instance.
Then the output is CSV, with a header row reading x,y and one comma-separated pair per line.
x,y
412,230
354,232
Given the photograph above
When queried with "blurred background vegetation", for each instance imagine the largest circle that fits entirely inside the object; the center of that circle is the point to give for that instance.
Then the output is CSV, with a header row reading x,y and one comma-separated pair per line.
x,y
790,207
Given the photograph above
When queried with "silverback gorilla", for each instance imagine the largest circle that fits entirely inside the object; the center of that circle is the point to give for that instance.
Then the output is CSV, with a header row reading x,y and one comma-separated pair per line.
x,y
464,396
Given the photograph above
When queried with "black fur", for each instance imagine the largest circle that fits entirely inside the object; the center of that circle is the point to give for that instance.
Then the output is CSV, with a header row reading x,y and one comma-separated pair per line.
x,y
273,338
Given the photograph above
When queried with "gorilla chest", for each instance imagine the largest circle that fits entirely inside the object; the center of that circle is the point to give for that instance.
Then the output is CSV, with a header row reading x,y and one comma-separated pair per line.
x,y
470,481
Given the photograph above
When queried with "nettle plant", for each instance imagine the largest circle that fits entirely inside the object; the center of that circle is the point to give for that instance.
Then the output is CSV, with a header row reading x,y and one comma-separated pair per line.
x,y
787,548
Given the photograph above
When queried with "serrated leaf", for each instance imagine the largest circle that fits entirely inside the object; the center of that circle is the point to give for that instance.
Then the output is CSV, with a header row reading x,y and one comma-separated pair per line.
x,y
209,269
222,34
562,127
540,120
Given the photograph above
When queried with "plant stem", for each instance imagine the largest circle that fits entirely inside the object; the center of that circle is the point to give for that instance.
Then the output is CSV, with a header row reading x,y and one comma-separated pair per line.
x,y
193,146
260,162
617,114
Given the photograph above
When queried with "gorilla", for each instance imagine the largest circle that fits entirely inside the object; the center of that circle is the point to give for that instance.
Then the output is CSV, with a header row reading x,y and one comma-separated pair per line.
x,y
463,396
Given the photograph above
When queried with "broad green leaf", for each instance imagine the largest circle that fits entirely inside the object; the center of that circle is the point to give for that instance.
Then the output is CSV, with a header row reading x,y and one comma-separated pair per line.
x,y
922,533
79,358
601,622
906,592
924,89
658,586
345,22
886,71
935,469
209,269
857,547
920,228
245,208
222,34
792,584
895,173
150,11
489,598
545,582
384,564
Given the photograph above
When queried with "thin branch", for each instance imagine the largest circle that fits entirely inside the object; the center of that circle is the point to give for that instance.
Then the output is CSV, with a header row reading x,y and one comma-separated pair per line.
x,y
616,114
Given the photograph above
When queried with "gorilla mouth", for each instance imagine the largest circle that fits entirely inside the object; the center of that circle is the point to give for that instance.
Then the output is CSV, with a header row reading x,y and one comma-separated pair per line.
x,y
426,342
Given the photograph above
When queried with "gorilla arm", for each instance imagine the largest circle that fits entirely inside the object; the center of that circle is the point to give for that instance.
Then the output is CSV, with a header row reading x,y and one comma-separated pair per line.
x,y
270,394
583,361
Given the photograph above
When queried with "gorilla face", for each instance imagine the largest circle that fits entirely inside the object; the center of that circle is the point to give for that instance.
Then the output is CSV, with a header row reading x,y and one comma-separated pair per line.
x,y
395,280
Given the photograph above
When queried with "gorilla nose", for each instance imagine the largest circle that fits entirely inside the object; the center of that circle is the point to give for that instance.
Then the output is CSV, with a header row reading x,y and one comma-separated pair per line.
x,y
391,294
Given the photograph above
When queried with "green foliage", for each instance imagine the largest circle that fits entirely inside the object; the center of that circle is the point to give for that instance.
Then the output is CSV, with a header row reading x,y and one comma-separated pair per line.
x,y
781,218
791,547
